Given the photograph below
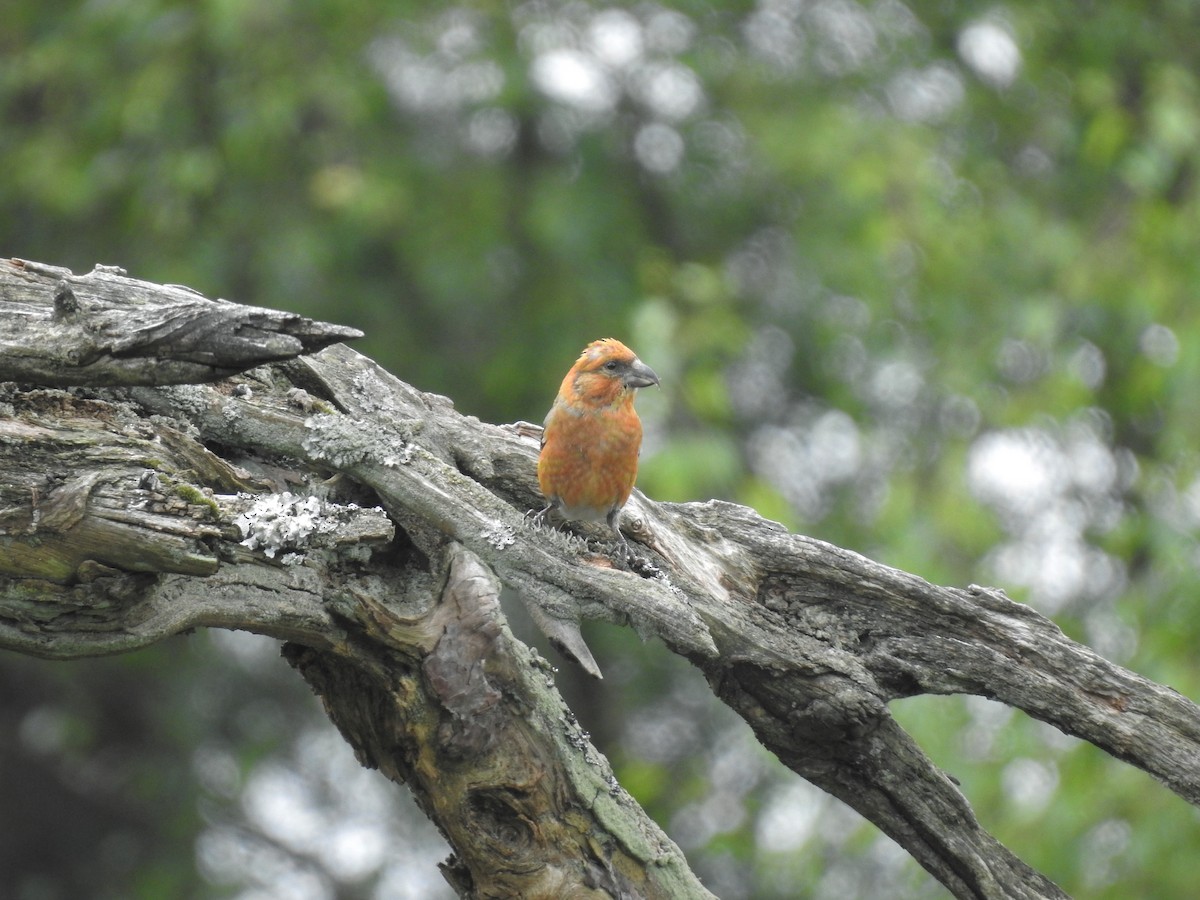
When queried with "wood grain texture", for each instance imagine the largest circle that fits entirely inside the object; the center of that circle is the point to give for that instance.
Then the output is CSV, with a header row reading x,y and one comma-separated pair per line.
x,y
104,328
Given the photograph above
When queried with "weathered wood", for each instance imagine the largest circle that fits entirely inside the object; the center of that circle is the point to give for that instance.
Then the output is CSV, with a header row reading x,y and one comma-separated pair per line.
x,y
103,328
468,717
400,634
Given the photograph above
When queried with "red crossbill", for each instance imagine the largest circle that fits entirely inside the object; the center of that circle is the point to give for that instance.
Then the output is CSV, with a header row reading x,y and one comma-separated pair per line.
x,y
592,437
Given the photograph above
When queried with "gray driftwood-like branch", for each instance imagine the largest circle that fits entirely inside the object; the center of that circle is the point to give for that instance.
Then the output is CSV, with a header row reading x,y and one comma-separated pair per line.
x,y
377,550
103,328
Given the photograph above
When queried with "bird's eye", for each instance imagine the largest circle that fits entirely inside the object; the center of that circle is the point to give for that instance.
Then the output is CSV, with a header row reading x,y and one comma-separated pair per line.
x,y
611,365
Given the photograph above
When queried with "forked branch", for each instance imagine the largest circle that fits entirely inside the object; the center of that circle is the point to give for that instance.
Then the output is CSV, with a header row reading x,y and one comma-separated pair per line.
x,y
173,507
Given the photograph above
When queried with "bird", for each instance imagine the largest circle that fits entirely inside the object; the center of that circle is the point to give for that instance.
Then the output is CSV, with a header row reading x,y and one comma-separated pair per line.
x,y
592,437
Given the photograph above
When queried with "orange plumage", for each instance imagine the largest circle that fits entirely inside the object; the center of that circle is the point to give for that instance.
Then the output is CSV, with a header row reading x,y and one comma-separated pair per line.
x,y
593,436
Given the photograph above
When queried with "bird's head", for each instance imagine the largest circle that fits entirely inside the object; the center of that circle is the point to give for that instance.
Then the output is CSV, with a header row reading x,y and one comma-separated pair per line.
x,y
607,372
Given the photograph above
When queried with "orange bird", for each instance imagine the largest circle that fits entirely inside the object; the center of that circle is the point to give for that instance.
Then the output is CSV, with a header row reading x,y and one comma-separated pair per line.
x,y
592,437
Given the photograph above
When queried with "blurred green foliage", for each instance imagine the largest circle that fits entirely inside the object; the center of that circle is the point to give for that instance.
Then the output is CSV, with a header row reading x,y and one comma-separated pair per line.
x,y
918,278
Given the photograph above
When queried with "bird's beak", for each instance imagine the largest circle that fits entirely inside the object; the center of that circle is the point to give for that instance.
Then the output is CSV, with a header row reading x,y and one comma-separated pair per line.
x,y
640,375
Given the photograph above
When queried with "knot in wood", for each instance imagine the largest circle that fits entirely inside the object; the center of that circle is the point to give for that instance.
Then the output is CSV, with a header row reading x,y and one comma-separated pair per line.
x,y
65,301
495,813
845,715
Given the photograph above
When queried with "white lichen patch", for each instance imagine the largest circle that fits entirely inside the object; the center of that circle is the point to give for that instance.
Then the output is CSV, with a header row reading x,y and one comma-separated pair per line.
x,y
499,535
372,392
282,522
291,527
343,442
334,439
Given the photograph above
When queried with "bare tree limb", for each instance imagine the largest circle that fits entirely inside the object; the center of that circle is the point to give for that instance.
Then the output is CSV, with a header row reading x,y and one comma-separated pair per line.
x,y
400,634
103,328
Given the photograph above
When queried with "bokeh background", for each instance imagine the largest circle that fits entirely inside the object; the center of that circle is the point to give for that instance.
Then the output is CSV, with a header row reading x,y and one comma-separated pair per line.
x,y
920,279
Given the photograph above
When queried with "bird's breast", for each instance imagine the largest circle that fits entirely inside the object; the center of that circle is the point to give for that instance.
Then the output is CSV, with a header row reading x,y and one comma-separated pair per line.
x,y
589,459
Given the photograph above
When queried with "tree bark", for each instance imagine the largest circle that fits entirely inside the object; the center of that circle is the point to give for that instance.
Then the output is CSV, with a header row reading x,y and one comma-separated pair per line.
x,y
377,554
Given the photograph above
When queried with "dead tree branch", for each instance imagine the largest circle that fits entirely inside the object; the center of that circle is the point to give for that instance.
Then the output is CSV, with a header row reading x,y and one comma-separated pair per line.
x,y
182,506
